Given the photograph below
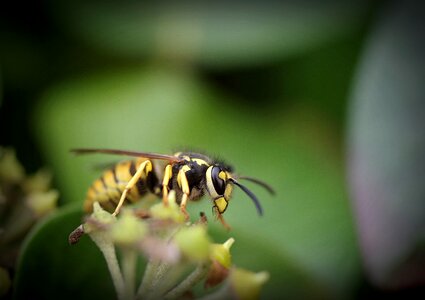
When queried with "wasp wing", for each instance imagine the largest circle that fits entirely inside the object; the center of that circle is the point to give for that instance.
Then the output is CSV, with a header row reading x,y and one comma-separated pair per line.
x,y
149,155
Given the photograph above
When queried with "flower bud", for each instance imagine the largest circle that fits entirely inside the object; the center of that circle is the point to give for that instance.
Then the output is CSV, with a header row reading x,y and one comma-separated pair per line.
x,y
193,242
221,253
128,229
38,182
98,218
41,203
168,212
11,169
221,262
246,284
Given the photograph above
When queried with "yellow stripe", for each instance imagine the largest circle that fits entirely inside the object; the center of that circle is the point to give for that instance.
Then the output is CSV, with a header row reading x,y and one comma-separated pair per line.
x,y
91,193
122,171
108,177
98,186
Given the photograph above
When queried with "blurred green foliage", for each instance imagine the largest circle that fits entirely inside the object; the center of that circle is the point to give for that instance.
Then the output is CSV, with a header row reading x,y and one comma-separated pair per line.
x,y
263,85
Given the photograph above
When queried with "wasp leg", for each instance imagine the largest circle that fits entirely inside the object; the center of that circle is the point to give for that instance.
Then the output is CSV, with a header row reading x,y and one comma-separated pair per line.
x,y
184,185
168,173
145,166
221,218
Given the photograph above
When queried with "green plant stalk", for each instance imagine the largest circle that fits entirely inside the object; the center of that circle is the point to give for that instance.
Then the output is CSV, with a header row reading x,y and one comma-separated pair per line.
x,y
107,248
162,272
187,284
223,292
129,263
154,272
167,277
148,278
157,284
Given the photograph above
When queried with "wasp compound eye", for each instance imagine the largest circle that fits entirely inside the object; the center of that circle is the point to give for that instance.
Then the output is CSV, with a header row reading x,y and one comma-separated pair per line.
x,y
216,183
217,176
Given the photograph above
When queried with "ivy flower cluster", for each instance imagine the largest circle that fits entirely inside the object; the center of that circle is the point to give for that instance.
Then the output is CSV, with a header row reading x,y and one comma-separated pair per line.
x,y
24,200
180,256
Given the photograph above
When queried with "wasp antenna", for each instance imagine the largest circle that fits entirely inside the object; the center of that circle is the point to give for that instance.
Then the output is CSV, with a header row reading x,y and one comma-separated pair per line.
x,y
250,194
260,183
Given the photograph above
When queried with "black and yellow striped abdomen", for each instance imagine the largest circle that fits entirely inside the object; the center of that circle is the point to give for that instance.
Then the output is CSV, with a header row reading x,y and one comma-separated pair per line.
x,y
108,189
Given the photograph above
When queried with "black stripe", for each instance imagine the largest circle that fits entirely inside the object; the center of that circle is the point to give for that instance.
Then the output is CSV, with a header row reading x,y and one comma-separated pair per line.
x,y
152,181
102,179
132,168
112,202
114,173
109,205
126,199
119,191
141,188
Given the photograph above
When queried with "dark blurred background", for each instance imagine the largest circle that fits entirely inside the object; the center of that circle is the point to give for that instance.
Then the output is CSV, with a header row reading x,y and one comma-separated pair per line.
x,y
323,100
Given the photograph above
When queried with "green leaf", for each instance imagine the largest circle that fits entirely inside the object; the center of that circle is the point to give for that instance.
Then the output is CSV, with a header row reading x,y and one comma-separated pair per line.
x,y
50,268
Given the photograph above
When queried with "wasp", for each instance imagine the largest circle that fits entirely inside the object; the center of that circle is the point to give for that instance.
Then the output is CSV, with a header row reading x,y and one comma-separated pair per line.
x,y
191,175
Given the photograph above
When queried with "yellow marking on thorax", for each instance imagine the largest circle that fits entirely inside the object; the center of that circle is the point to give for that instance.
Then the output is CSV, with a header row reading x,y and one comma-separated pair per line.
x,y
200,161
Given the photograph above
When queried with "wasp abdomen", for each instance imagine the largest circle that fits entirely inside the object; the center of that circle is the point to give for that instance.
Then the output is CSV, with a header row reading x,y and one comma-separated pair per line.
x,y
108,189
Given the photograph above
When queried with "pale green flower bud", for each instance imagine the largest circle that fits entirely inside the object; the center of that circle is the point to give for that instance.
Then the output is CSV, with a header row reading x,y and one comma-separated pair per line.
x,y
194,242
128,230
221,253
41,203
220,263
168,212
39,182
11,169
98,218
246,284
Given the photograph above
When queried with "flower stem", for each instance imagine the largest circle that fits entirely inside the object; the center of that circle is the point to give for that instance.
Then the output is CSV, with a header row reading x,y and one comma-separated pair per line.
x,y
223,292
129,263
148,277
197,275
108,250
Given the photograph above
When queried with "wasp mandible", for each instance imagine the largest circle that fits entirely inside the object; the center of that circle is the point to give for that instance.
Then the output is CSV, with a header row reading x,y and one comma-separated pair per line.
x,y
191,175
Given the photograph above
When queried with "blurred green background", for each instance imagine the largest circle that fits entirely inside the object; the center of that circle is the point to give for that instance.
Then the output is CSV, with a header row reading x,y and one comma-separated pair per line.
x,y
323,100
